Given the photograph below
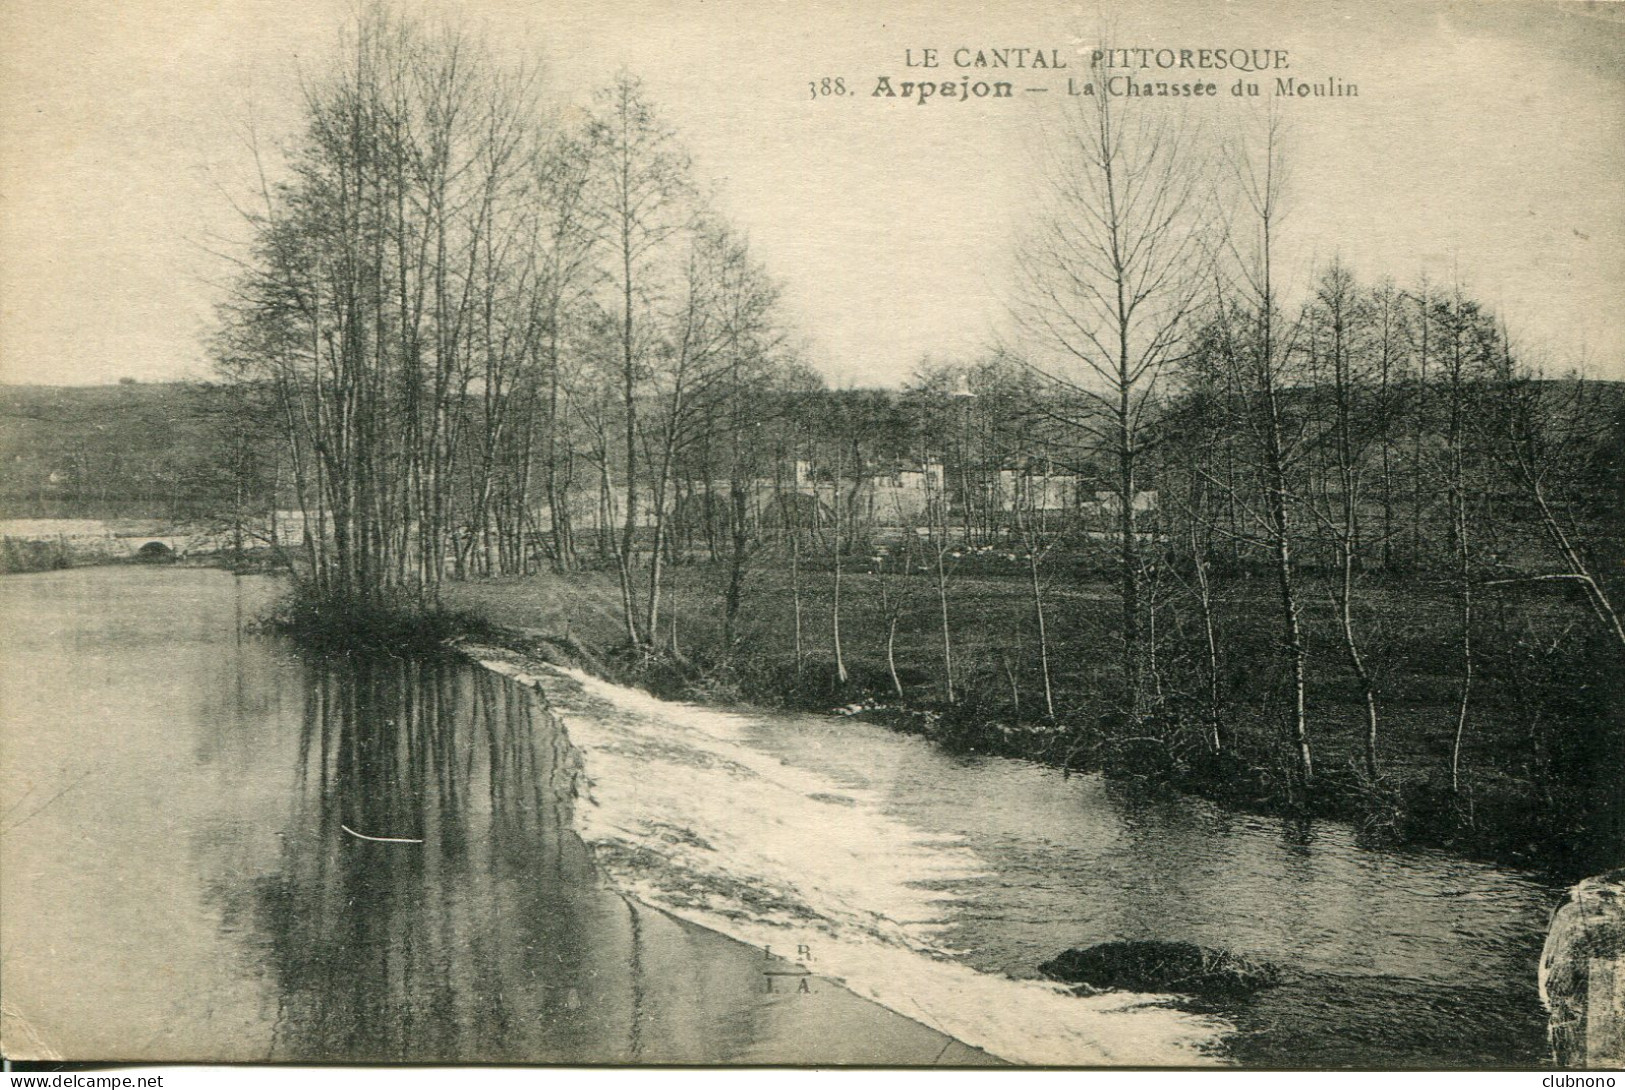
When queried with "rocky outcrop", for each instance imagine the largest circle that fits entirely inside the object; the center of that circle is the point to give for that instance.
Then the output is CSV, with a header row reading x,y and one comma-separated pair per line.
x,y
1582,975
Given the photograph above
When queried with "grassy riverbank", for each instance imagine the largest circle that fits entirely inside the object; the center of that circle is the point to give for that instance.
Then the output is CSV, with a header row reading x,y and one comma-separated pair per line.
x,y
1538,782
19,556
338,624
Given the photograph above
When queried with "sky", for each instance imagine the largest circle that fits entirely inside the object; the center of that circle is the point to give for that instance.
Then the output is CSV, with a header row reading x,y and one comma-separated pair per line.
x,y
1486,145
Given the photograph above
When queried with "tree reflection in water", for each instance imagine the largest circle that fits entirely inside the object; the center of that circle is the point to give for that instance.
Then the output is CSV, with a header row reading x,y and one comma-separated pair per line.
x,y
493,939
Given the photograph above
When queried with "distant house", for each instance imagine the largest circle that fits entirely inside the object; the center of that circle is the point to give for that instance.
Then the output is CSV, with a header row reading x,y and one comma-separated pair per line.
x,y
1107,502
901,497
1044,492
288,526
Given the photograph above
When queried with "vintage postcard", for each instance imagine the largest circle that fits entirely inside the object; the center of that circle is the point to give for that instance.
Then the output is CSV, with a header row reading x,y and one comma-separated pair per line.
x,y
661,532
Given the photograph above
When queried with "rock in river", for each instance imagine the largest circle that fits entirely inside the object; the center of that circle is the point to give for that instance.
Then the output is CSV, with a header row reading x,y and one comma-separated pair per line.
x,y
1582,974
1149,966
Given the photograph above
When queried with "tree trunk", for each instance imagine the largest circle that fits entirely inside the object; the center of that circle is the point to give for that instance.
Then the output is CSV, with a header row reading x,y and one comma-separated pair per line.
x,y
1043,629
835,612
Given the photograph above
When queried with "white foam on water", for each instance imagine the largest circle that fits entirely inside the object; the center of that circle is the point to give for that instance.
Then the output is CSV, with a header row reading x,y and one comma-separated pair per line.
x,y
687,817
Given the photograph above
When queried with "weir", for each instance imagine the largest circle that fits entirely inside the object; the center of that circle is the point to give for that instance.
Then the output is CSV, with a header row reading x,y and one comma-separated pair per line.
x,y
938,884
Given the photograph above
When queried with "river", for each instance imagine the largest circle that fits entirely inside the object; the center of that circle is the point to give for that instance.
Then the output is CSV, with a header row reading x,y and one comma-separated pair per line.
x,y
559,861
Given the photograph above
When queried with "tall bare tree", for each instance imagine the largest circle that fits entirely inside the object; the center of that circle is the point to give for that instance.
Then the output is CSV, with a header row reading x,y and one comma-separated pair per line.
x,y
1108,279
640,204
1338,317
1260,349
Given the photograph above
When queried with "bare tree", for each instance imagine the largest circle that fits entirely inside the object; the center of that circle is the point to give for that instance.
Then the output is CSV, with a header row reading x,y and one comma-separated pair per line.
x,y
1337,319
754,373
1029,508
1259,349
1388,316
1465,337
1542,432
1200,451
639,202
1108,279
562,282
940,543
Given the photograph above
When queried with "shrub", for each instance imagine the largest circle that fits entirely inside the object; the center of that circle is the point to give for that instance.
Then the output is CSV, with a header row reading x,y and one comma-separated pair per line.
x,y
399,625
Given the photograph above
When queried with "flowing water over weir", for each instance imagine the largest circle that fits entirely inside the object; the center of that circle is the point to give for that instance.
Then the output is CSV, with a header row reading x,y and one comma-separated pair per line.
x,y
188,874
936,884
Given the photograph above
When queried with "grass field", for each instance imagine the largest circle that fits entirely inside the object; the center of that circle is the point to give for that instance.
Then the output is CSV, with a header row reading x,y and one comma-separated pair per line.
x,y
1541,754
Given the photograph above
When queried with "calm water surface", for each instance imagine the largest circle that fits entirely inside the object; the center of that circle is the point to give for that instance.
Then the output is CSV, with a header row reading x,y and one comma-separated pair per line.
x,y
178,883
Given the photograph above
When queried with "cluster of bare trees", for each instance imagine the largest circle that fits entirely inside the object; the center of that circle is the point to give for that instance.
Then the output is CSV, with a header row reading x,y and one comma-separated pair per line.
x,y
1379,437
1318,435
497,334
1323,509
471,307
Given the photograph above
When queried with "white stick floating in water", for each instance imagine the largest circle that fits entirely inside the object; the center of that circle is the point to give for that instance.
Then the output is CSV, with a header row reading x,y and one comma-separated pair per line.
x,y
380,839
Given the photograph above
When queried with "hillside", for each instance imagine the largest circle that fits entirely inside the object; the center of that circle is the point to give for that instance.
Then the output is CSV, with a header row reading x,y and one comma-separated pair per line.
x,y
158,450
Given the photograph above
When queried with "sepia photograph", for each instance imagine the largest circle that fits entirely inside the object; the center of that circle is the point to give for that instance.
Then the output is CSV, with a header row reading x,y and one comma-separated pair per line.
x,y
678,533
